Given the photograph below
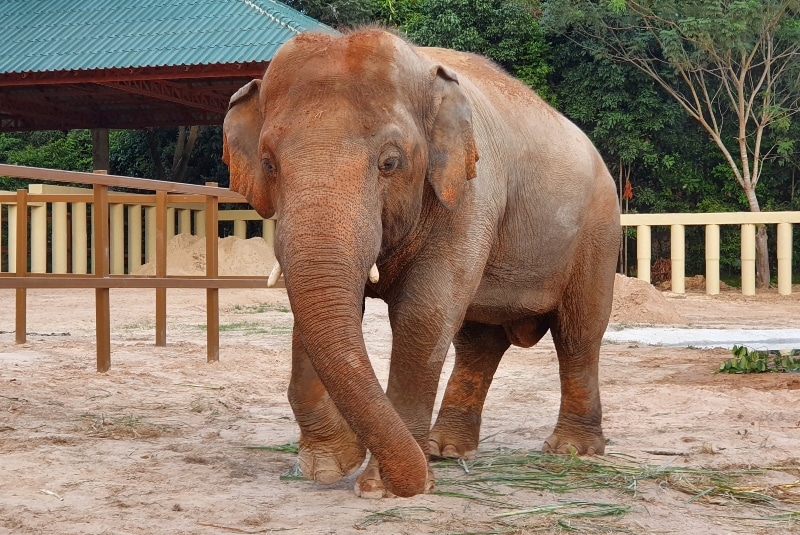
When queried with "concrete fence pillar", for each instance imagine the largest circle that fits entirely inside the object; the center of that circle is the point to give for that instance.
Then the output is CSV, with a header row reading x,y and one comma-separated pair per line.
x,y
784,258
643,252
134,237
712,259
184,221
678,258
170,223
116,215
748,259
59,237
200,223
80,242
39,238
12,238
240,228
268,231
149,234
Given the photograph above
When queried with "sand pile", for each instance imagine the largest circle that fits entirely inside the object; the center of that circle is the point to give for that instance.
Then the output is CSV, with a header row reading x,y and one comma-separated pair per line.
x,y
186,256
636,301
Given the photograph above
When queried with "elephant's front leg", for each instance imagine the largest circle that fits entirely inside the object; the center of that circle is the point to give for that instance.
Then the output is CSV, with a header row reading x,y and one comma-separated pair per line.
x,y
479,349
421,337
329,450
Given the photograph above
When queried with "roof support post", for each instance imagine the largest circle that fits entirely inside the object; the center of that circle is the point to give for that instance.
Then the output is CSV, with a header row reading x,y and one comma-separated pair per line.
x,y
101,159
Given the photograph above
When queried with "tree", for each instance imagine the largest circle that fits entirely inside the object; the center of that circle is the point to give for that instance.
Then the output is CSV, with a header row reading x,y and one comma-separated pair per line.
x,y
732,65
502,30
340,14
191,154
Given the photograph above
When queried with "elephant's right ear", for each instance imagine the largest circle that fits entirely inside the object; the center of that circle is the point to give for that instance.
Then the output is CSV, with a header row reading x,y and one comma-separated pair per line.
x,y
240,136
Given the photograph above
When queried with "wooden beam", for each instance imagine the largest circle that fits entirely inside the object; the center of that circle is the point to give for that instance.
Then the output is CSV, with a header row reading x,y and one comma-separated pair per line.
x,y
253,69
171,92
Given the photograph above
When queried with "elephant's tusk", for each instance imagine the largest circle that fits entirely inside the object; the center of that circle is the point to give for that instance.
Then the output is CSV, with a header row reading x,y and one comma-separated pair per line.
x,y
374,275
274,275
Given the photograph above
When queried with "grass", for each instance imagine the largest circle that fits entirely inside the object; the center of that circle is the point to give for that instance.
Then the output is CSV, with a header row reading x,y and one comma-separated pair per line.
x,y
251,327
502,482
125,426
260,308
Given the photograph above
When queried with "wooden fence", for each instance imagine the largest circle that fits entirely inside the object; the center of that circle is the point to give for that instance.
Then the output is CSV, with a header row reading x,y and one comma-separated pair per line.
x,y
101,266
126,229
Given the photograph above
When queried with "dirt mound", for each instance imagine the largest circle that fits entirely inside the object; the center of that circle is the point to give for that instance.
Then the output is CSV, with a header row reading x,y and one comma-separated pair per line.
x,y
636,301
186,256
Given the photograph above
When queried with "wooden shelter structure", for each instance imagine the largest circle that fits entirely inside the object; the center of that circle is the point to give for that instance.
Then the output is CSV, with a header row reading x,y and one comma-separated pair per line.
x,y
100,64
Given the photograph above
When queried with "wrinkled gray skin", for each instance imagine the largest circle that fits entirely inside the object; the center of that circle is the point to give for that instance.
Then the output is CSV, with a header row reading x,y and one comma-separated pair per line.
x,y
492,219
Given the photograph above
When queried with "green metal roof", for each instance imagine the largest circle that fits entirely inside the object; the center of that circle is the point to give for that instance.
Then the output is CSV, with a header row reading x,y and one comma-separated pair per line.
x,y
72,35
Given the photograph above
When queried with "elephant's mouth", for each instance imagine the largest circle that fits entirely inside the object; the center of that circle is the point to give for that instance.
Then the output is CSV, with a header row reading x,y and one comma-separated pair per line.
x,y
277,271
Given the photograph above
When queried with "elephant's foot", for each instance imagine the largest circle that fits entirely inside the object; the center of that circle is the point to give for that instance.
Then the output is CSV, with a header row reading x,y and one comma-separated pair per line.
x,y
329,463
370,485
580,443
455,435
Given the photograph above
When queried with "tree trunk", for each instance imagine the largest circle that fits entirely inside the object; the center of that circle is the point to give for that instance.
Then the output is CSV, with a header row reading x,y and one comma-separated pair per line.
x,y
152,144
183,150
762,249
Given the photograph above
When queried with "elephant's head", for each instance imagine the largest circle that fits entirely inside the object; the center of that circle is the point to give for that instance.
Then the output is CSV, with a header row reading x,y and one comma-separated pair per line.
x,y
343,140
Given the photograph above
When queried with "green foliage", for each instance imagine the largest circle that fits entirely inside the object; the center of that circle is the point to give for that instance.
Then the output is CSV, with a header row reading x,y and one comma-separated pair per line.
x,y
71,151
502,30
746,360
131,155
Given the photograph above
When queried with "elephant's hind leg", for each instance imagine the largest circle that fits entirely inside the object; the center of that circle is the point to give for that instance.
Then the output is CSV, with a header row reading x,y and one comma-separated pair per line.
x,y
329,449
577,333
479,348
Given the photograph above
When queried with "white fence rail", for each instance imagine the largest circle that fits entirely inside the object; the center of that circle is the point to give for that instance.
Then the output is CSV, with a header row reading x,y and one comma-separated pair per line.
x,y
746,221
133,231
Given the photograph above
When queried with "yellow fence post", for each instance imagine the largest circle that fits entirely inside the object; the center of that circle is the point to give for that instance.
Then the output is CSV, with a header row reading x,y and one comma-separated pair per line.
x,y
134,237
268,231
785,258
117,238
240,228
184,221
149,234
170,222
678,258
12,237
200,223
80,245
643,252
59,237
748,259
38,238
712,259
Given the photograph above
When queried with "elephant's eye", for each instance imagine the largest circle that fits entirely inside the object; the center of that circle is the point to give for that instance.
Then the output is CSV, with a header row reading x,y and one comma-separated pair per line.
x,y
268,166
389,163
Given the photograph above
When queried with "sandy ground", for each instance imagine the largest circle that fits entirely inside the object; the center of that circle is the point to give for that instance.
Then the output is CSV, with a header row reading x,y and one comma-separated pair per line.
x,y
159,443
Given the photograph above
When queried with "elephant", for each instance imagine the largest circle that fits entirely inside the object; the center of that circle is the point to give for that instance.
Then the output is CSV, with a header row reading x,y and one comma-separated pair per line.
x,y
490,217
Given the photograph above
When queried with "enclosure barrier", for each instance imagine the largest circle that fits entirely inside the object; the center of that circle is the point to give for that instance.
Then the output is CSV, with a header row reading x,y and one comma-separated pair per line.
x,y
106,228
747,221
137,227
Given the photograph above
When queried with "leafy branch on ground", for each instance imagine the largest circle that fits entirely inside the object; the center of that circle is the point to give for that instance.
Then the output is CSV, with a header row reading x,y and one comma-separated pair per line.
x,y
748,360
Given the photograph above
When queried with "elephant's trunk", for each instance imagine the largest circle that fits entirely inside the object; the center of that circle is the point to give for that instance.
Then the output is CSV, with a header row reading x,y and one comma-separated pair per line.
x,y
325,270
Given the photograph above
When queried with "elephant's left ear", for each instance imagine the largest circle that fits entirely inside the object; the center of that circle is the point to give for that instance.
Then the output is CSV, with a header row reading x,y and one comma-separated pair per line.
x,y
452,152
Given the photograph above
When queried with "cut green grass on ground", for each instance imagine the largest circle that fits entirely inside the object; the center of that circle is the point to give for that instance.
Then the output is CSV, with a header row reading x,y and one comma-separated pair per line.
x,y
260,308
251,327
497,480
